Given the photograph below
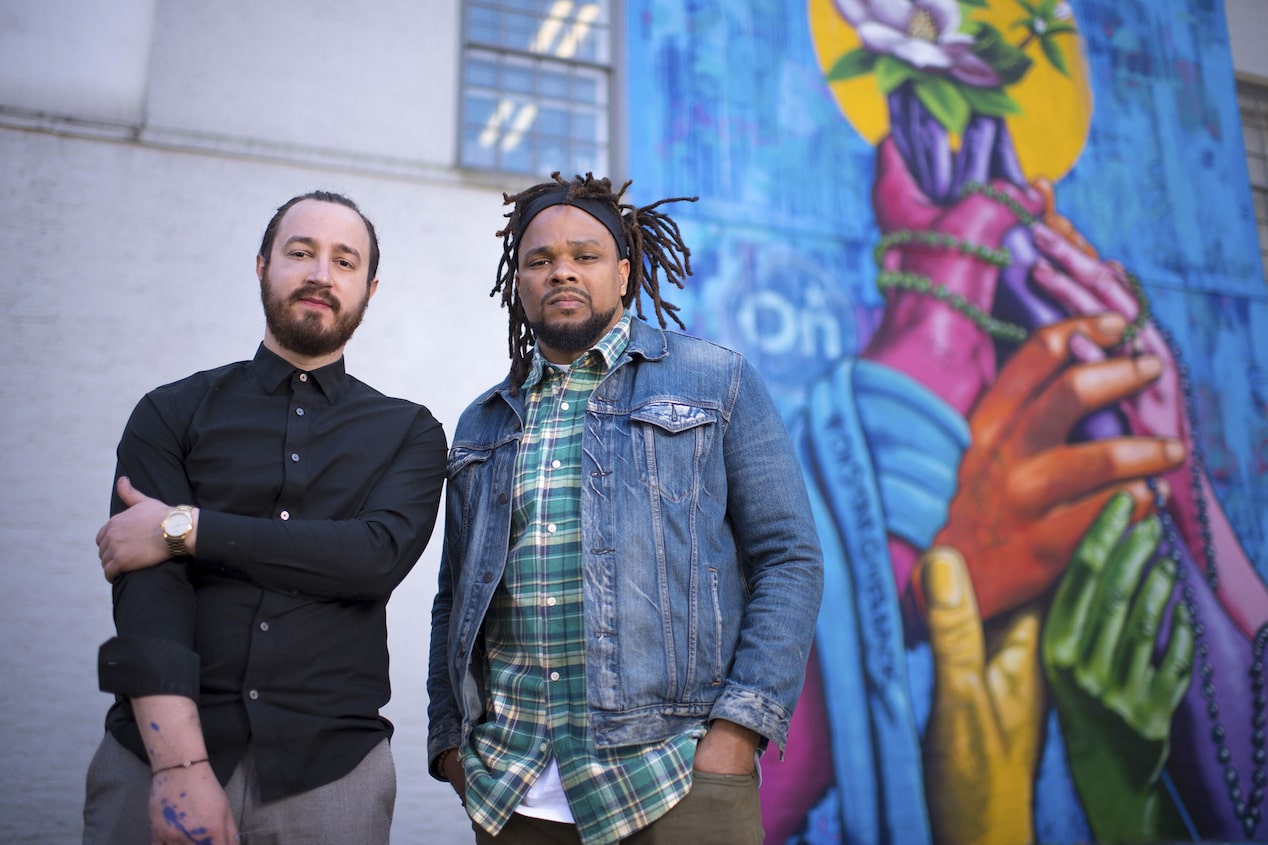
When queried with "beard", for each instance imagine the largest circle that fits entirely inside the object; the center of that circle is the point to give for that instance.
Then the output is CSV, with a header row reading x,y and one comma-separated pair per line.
x,y
305,334
573,338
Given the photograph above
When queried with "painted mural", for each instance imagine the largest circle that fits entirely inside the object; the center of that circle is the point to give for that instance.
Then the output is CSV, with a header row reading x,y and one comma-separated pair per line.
x,y
997,262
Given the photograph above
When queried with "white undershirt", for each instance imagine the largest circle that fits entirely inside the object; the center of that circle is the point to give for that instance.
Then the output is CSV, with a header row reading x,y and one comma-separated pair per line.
x,y
546,798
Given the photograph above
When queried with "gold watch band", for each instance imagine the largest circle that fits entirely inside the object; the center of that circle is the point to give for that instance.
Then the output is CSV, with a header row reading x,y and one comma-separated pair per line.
x,y
176,542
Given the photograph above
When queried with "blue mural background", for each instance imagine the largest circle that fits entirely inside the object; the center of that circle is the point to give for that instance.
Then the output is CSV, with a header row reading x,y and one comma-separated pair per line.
x,y
727,101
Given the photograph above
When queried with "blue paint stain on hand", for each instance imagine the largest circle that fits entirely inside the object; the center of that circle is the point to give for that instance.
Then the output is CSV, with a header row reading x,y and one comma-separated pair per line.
x,y
154,726
197,836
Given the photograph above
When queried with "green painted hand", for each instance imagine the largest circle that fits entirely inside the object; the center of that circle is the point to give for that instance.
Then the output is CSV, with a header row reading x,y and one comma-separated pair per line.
x,y
1114,702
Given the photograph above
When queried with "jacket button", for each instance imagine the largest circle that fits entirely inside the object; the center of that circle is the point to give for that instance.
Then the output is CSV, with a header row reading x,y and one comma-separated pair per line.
x,y
501,498
488,577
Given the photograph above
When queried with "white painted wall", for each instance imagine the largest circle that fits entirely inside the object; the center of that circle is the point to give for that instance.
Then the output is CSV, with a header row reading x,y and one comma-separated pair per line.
x,y
76,57
1248,35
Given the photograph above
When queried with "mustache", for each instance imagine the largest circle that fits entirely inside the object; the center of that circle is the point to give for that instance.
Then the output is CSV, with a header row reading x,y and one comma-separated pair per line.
x,y
566,293
315,293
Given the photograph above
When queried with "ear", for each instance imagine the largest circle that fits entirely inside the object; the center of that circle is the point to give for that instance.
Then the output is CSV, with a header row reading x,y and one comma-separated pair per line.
x,y
259,267
374,286
623,267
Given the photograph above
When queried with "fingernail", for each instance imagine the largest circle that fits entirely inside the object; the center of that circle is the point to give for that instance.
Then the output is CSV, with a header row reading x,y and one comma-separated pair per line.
x,y
1111,322
1148,366
942,587
1173,451
1084,349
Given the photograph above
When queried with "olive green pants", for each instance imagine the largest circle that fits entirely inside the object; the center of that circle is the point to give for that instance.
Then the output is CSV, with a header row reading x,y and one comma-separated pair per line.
x,y
719,810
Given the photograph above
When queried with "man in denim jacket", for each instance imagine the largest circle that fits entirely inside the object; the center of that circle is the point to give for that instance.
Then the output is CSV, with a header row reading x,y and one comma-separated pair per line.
x,y
631,572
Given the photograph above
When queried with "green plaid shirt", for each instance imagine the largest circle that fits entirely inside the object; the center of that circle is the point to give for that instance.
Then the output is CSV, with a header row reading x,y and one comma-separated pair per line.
x,y
535,637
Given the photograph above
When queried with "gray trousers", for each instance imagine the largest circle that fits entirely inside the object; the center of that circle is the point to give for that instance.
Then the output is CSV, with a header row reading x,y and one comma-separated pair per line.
x,y
357,808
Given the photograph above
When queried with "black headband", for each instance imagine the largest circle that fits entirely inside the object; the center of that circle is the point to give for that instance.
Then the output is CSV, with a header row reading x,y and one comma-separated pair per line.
x,y
559,196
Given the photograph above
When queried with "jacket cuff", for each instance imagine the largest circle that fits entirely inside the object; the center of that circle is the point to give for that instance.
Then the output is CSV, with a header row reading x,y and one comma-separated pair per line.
x,y
138,666
754,711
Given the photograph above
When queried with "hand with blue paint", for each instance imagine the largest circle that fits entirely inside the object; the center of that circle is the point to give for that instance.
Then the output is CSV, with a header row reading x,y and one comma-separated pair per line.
x,y
187,803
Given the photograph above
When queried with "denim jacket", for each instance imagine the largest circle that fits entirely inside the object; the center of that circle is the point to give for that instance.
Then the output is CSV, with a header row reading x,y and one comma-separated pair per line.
x,y
701,563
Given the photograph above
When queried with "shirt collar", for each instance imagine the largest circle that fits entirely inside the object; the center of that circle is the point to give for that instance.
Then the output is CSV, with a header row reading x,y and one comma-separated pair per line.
x,y
609,348
272,370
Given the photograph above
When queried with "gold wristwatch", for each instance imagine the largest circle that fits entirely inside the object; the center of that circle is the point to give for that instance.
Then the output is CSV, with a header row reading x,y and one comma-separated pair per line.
x,y
176,527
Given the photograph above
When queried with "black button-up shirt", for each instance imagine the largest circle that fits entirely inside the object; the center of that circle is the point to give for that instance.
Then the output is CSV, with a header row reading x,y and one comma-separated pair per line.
x,y
317,495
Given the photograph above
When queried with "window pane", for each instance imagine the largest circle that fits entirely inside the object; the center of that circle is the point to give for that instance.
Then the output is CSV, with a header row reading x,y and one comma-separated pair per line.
x,y
481,73
589,159
553,122
474,154
585,125
517,79
553,84
554,155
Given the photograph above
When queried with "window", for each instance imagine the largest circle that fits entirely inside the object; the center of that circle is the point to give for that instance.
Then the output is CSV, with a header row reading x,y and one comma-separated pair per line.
x,y
1252,98
536,79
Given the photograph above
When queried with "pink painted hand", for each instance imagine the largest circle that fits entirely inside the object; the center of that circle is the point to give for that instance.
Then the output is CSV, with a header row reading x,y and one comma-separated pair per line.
x,y
920,335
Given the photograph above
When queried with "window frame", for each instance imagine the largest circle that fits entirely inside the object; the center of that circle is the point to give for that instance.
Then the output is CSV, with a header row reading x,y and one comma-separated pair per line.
x,y
608,154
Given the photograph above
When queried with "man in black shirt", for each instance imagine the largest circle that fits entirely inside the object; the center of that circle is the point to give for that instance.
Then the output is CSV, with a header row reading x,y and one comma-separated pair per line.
x,y
263,513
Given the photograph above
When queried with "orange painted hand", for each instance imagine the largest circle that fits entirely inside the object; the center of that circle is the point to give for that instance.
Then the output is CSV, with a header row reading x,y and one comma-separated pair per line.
x,y
982,743
1026,496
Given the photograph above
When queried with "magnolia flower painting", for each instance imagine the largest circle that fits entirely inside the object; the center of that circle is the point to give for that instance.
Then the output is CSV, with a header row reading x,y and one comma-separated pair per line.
x,y
947,77
925,34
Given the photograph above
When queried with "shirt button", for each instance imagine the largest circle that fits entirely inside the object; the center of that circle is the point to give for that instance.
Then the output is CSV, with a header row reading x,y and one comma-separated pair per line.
x,y
299,412
551,601
264,626
303,376
565,406
543,747
551,528
295,457
554,676
285,514
555,464
254,695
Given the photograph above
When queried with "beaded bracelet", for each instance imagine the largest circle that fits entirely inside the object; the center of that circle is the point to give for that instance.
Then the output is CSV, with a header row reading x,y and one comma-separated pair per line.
x,y
924,285
184,765
935,240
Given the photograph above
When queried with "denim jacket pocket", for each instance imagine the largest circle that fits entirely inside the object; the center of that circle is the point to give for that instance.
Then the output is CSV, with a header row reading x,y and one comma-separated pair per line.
x,y
677,437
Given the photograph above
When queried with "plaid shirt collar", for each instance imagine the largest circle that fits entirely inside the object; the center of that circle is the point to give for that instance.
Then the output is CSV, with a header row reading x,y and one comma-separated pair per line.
x,y
609,349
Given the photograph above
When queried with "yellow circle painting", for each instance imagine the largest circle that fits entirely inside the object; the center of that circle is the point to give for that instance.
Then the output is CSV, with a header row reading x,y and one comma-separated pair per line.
x,y
1051,128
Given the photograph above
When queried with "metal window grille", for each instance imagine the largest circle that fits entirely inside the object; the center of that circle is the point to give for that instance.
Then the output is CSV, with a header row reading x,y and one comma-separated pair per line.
x,y
536,86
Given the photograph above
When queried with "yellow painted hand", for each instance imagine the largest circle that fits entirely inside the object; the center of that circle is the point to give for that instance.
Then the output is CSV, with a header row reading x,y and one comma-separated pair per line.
x,y
982,743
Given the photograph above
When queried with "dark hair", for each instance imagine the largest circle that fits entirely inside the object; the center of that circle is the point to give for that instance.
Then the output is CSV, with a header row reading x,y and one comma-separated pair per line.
x,y
654,242
270,231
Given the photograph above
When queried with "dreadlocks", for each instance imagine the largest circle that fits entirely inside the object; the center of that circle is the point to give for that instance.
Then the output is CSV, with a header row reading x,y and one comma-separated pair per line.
x,y
653,246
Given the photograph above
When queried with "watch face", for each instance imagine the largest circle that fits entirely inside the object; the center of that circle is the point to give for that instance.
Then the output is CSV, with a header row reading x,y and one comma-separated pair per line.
x,y
178,524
